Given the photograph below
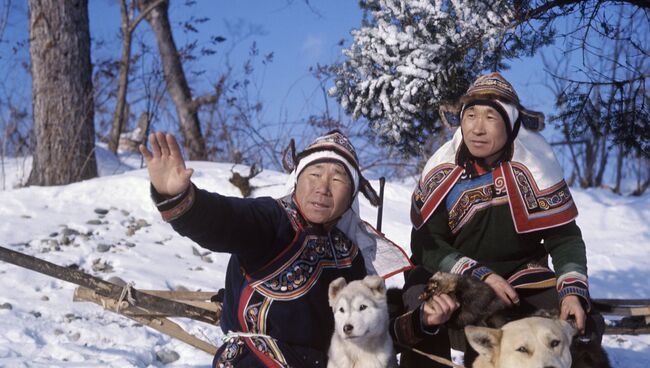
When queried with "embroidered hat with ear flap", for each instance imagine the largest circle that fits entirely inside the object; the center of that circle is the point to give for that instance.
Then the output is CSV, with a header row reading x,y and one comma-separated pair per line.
x,y
493,87
381,256
333,146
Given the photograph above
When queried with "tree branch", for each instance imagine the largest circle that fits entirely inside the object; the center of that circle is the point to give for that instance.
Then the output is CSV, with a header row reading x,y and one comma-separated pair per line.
x,y
597,83
211,98
143,14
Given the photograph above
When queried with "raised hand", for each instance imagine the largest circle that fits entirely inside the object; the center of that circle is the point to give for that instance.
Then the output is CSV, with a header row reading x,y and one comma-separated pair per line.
x,y
167,171
503,289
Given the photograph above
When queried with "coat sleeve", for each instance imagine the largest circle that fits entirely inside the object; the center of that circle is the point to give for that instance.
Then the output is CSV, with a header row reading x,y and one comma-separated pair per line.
x,y
408,329
568,253
431,247
247,227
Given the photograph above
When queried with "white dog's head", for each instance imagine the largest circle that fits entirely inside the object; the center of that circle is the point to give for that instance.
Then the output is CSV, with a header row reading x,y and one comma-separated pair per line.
x,y
360,309
535,342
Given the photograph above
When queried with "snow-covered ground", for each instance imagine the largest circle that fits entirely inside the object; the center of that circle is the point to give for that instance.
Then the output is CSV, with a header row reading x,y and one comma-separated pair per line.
x,y
41,326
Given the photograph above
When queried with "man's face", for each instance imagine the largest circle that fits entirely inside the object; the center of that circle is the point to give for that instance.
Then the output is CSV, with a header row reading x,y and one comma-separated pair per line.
x,y
484,132
323,192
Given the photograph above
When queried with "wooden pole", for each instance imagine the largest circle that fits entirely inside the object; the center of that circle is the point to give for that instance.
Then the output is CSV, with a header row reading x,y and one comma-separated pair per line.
x,y
107,289
380,208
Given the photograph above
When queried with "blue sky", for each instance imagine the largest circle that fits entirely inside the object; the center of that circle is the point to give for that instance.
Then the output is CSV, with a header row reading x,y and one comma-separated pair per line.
x,y
298,36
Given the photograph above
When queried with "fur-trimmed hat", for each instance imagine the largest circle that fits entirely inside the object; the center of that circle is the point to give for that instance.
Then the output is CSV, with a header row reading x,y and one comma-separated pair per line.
x,y
332,146
492,87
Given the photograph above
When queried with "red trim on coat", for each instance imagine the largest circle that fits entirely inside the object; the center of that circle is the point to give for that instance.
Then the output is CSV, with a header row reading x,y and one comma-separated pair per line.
x,y
438,194
270,363
523,222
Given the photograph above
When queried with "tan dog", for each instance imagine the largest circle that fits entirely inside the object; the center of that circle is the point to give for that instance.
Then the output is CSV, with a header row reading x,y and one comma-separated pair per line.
x,y
535,342
361,338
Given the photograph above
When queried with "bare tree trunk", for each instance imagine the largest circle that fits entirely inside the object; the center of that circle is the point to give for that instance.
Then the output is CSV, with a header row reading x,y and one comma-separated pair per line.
x,y
177,86
62,92
123,81
128,26
619,169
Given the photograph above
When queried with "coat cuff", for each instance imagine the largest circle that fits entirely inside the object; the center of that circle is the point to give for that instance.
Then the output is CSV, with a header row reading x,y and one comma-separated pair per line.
x,y
409,329
574,283
463,265
174,207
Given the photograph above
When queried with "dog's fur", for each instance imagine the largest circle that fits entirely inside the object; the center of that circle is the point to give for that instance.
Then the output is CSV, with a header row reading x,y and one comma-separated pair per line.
x,y
479,305
361,338
536,342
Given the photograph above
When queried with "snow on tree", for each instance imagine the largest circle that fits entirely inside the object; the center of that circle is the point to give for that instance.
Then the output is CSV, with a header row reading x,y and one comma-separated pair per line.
x,y
412,55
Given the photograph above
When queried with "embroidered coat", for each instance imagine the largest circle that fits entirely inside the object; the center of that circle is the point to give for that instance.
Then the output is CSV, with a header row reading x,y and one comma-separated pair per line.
x,y
506,220
277,278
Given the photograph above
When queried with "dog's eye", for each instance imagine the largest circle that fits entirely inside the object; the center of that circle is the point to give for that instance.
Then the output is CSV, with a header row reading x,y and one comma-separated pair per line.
x,y
341,310
362,307
555,343
522,349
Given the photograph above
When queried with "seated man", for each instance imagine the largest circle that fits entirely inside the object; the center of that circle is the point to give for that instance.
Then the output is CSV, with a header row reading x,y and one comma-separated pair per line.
x,y
284,252
492,203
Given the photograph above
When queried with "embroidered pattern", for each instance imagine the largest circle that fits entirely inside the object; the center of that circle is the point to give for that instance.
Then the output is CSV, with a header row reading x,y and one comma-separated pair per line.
x,y
469,202
469,196
231,353
270,349
178,210
299,274
538,201
264,346
462,265
481,272
287,204
533,277
255,313
428,185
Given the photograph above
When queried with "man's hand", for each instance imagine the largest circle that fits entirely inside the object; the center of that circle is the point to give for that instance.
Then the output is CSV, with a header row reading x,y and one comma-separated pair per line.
x,y
438,309
503,289
571,306
166,166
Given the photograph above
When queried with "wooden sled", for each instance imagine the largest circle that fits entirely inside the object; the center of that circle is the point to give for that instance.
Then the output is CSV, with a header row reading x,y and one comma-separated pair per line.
x,y
149,307
153,308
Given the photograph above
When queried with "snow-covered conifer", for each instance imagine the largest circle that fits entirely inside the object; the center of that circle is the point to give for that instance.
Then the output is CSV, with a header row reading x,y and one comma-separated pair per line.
x,y
412,55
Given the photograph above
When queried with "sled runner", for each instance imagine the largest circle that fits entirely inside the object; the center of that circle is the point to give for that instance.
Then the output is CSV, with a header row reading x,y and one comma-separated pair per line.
x,y
153,308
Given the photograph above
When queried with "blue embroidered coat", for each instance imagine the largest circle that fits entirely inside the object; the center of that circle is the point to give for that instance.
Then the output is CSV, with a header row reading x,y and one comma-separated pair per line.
x,y
277,278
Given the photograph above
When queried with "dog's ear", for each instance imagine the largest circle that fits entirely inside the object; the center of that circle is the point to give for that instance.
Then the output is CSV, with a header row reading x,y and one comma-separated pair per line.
x,y
485,341
335,287
567,329
376,284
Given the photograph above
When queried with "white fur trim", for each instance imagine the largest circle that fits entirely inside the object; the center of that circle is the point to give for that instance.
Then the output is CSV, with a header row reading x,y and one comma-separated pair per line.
x,y
531,149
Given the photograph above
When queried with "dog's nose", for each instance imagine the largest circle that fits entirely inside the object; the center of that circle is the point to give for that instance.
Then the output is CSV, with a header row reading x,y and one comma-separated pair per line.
x,y
347,328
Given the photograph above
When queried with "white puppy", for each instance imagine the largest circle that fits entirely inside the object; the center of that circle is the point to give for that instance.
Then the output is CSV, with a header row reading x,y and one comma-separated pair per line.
x,y
535,342
361,338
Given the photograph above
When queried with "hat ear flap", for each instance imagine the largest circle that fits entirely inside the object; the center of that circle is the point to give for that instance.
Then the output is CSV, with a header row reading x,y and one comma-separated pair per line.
x,y
289,156
368,191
